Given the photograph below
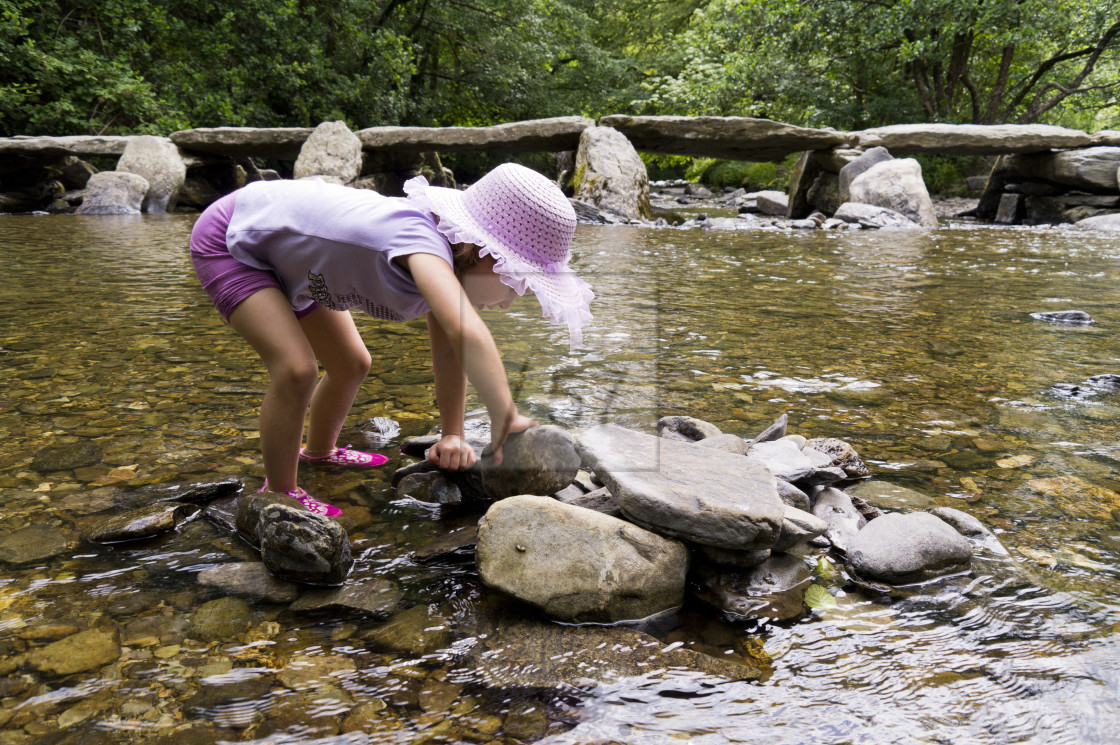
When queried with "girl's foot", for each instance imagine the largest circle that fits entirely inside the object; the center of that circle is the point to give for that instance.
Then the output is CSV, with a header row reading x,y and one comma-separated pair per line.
x,y
308,501
346,457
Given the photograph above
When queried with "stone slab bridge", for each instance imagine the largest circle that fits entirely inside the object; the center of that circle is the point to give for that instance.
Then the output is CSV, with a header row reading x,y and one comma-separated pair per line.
x,y
733,138
1042,174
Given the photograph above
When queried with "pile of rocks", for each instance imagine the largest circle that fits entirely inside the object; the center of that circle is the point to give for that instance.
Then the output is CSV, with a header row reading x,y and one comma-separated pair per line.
x,y
839,189
608,526
870,188
642,520
1080,186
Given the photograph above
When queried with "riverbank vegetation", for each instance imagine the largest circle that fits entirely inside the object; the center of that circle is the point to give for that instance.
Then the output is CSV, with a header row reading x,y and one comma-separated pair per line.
x,y
136,66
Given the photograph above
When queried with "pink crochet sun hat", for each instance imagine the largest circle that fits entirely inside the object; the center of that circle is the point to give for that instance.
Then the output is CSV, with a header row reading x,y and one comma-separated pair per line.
x,y
526,223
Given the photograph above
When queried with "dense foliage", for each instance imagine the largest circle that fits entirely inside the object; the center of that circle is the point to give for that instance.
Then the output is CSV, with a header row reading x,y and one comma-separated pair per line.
x,y
118,66
857,63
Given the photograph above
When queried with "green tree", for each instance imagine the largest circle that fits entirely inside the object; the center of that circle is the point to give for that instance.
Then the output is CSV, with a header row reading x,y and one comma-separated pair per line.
x,y
66,68
854,63
74,66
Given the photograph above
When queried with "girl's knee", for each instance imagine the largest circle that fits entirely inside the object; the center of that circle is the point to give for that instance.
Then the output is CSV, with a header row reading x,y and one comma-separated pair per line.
x,y
353,366
297,376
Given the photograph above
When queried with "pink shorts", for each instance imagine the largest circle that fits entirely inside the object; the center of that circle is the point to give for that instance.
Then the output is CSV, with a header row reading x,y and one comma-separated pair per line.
x,y
226,280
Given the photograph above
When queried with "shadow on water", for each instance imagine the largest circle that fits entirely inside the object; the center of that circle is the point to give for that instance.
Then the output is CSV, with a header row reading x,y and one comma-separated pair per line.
x,y
917,348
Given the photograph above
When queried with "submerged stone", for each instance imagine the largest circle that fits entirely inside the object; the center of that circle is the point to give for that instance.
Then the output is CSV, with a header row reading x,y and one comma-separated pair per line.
x,y
66,456
578,565
1064,317
527,653
415,630
36,543
774,590
223,618
145,522
680,490
84,651
372,596
250,578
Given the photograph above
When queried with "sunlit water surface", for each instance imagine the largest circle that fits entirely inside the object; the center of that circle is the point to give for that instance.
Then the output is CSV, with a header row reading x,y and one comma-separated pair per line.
x,y
917,348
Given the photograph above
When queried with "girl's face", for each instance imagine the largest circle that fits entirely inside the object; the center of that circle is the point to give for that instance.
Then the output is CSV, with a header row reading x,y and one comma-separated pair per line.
x,y
484,287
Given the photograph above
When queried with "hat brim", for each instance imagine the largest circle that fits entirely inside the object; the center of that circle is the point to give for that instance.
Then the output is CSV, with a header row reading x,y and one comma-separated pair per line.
x,y
563,296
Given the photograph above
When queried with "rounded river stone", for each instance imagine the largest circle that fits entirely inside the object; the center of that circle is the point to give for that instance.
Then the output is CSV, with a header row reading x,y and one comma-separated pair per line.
x,y
901,549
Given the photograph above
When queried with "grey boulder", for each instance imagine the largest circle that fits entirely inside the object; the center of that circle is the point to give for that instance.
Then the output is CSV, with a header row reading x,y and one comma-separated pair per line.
x,y
247,518
578,565
799,527
157,160
874,216
541,460
844,521
300,546
901,549
114,193
842,455
686,428
610,174
784,459
331,150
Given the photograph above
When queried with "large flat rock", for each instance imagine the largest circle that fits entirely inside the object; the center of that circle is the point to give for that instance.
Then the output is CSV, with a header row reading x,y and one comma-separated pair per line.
x,y
971,139
686,491
283,143
543,135
732,137
1093,169
82,146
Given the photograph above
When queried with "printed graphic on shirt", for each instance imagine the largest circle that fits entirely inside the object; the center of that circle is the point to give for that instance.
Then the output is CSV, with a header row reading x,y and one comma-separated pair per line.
x,y
317,287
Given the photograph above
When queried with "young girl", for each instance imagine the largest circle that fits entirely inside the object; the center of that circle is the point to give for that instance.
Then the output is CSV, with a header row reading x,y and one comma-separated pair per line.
x,y
284,261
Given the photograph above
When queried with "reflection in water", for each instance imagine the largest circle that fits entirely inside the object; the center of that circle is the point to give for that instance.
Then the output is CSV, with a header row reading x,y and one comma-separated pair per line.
x,y
915,347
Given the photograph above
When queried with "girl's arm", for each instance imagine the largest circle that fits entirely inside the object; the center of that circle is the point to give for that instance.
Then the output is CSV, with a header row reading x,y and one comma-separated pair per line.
x,y
464,332
452,451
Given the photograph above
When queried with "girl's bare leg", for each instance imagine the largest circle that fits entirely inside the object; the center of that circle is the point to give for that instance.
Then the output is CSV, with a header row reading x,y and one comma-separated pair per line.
x,y
345,360
267,322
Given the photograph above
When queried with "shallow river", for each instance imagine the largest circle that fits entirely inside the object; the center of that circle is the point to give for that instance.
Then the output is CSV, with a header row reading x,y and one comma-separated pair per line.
x,y
917,348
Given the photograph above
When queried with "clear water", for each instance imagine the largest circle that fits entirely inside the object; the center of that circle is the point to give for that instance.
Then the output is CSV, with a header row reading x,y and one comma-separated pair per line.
x,y
915,347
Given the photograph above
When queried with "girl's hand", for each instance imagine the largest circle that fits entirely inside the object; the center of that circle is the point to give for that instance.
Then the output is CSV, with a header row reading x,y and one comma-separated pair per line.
x,y
452,453
516,423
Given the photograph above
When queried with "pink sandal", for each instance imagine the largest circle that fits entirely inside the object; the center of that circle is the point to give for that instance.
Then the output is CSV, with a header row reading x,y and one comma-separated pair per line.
x,y
308,501
345,457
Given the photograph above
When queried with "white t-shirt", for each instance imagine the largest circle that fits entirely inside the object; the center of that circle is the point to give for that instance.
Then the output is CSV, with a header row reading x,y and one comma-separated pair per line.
x,y
335,245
